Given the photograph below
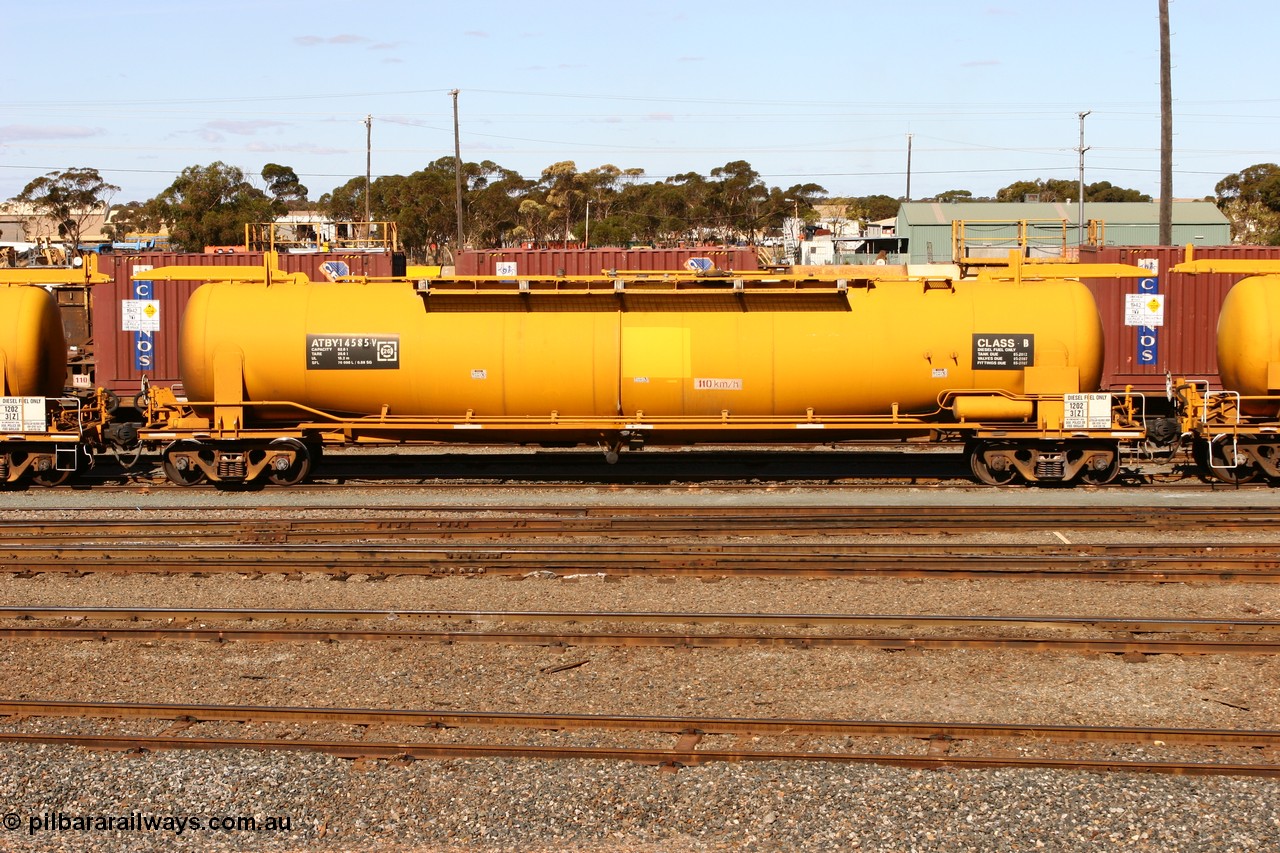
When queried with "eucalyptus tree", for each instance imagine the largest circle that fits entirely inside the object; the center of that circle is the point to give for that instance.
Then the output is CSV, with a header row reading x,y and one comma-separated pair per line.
x,y
696,207
493,196
1046,190
345,203
738,198
658,214
211,205
1250,199
565,193
1060,190
873,208
533,221
423,204
1105,191
283,183
134,217
69,198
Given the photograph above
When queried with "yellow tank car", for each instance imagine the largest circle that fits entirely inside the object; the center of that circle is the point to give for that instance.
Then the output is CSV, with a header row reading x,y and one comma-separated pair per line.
x,y
33,350
383,348
1249,340
275,366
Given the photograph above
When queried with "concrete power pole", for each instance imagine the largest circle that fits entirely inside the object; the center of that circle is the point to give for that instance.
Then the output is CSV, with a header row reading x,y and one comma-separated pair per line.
x,y
1080,209
457,173
1166,131
368,170
908,167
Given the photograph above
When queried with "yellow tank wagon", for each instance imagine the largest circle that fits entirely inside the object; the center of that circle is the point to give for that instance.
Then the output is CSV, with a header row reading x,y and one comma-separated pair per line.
x,y
275,366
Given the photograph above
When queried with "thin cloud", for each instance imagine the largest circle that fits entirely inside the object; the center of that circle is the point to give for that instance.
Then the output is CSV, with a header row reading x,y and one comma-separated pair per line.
x,y
242,128
980,63
345,38
300,148
28,132
476,34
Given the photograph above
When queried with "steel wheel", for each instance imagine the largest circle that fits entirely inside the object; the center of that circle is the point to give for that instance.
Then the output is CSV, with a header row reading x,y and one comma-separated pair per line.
x,y
992,463
1101,476
298,471
1213,456
50,477
176,474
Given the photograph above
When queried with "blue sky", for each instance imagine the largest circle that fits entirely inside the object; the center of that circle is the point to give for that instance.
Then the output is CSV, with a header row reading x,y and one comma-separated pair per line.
x,y
989,90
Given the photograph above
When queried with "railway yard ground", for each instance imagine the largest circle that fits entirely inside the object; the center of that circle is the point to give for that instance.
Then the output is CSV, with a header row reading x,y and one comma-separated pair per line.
x,y
594,661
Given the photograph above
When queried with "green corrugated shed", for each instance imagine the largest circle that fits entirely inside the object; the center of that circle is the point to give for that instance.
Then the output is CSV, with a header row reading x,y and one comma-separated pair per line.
x,y
927,225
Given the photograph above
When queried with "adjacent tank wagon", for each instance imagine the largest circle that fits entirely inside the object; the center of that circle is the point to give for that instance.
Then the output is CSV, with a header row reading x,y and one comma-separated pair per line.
x,y
33,351
1235,430
44,434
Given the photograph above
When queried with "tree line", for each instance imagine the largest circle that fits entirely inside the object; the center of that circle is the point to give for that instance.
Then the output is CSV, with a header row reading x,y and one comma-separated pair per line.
x,y
210,205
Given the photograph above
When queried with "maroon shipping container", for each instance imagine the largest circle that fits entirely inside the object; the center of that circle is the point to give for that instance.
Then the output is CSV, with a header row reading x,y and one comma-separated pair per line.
x,y
121,358
556,262
1186,345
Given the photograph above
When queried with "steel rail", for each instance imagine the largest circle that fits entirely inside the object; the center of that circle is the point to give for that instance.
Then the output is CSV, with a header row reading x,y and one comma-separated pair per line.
x,y
635,484
357,550
773,726
1129,645
507,521
808,620
1172,563
676,758
650,640
689,728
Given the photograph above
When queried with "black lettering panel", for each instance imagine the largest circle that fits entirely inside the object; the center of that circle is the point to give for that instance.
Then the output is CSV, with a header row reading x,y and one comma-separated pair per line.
x,y
1003,351
353,352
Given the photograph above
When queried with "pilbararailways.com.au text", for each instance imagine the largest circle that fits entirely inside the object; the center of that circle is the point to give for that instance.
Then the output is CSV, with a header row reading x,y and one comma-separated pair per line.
x,y
139,822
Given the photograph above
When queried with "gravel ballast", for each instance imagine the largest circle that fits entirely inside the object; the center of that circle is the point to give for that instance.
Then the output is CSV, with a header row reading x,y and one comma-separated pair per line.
x,y
333,804
494,805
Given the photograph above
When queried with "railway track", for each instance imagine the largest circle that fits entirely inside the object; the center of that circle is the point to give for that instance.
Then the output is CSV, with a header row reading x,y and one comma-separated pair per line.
x,y
507,522
1173,563
1229,637
706,542
628,541
697,738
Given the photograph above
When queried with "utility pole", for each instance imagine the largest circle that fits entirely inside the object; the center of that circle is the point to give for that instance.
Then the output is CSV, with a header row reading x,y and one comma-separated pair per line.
x,y
908,167
1080,212
586,237
368,170
1166,131
457,173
